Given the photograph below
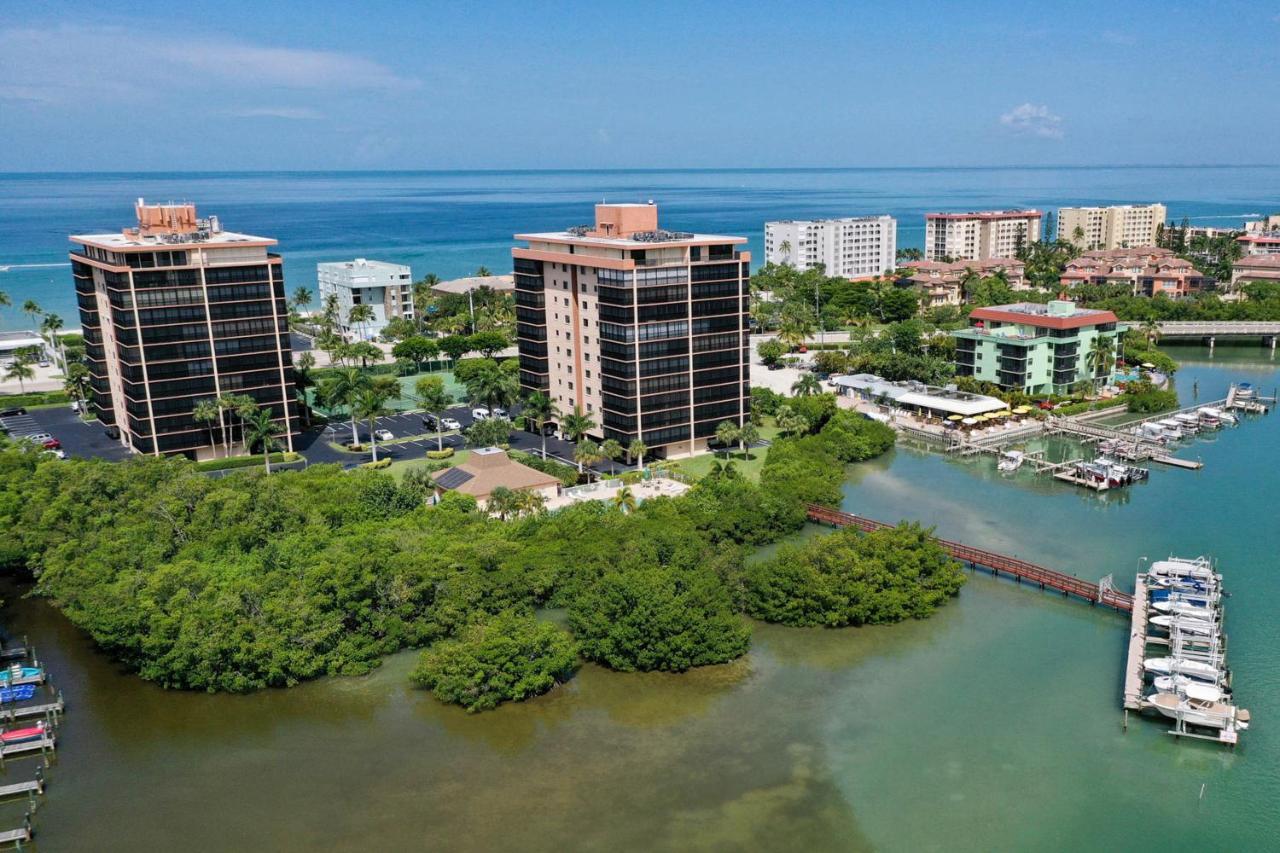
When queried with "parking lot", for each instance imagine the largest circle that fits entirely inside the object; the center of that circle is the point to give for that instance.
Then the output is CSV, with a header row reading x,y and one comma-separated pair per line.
x,y
78,438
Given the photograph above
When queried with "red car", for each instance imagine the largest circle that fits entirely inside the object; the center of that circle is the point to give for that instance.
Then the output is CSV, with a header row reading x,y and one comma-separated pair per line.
x,y
52,444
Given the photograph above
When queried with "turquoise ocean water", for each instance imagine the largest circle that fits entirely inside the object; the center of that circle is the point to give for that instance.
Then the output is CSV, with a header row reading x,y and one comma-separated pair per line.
x,y
450,223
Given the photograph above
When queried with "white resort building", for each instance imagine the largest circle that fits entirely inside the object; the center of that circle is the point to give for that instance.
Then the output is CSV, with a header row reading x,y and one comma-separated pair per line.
x,y
852,247
386,287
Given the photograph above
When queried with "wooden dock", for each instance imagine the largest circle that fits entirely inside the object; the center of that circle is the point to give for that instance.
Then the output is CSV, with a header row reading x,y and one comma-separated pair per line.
x,y
1020,570
1076,479
1175,462
45,709
18,837
1133,672
19,789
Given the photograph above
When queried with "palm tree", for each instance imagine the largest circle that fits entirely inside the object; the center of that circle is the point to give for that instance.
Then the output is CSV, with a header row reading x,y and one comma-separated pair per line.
x,y
342,389
435,399
530,503
790,421
482,271
206,412
1101,356
625,500
358,316
77,384
1151,331
32,309
612,449
577,424
20,371
245,408
260,429
539,408
587,453
636,450
726,435
301,296
747,436
371,403
494,387
807,385
52,323
784,248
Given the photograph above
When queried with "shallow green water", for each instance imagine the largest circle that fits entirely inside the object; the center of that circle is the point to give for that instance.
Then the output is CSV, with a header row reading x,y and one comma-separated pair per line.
x,y
994,726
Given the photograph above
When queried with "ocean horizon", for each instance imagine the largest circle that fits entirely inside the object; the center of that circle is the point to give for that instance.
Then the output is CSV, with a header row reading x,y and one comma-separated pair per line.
x,y
450,222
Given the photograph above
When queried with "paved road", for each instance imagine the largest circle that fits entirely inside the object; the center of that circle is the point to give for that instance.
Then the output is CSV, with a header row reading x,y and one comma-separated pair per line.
x,y
78,438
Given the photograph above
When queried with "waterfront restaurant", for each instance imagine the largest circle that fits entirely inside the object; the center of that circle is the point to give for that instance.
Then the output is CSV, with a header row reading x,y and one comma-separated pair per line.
x,y
928,400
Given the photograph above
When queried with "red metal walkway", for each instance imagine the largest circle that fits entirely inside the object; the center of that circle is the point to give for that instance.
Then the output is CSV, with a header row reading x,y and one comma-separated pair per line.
x,y
1019,570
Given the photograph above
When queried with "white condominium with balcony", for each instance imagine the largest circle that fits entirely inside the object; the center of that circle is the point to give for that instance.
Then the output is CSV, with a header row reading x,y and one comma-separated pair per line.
x,y
979,235
1120,226
853,247
386,287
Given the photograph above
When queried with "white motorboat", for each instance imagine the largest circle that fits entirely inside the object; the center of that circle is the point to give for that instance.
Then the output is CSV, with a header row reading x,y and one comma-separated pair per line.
x,y
1010,461
1182,666
1189,688
1220,415
1183,608
1217,715
1185,625
1175,567
1171,427
1188,420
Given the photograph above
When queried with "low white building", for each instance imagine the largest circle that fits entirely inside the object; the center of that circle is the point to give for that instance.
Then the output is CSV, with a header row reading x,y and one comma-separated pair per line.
x,y
852,247
386,287
917,397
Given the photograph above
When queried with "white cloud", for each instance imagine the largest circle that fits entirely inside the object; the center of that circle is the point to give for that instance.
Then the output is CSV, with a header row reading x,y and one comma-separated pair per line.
x,y
69,63
1033,120
291,113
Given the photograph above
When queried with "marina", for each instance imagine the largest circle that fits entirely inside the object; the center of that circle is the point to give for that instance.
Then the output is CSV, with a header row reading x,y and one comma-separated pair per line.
x,y
30,712
1178,609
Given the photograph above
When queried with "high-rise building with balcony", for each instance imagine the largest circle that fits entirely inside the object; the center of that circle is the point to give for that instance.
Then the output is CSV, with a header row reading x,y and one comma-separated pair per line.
x,y
1120,226
176,311
979,235
853,247
644,329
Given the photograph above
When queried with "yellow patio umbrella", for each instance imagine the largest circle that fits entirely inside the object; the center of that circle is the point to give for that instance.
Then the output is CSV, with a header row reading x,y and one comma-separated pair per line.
x,y
956,418
1022,410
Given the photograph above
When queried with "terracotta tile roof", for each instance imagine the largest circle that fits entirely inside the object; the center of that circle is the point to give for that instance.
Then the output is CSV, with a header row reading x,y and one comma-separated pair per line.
x,y
487,469
1032,314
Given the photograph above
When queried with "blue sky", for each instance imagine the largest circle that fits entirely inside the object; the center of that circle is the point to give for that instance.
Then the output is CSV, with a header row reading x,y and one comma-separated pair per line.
x,y
281,84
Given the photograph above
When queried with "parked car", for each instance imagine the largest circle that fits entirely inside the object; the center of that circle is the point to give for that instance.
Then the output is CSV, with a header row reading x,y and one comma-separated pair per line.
x,y
383,434
479,414
113,432
46,363
450,423
429,421
56,453
498,412
45,440
12,411
75,406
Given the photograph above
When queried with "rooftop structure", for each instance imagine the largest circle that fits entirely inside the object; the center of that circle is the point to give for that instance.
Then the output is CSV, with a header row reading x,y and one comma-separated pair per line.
x,y
1113,227
916,396
175,312
1260,243
386,288
852,247
459,286
489,468
979,235
642,328
1146,271
943,283
10,342
1034,348
1256,268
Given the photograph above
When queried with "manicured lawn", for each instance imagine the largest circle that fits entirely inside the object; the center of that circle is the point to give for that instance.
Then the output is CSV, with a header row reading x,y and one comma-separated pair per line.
x,y
405,402
748,466
401,467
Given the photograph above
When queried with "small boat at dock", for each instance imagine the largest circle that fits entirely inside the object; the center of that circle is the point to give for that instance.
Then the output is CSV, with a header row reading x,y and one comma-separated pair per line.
x,y
1224,418
1182,666
1190,688
1183,608
23,735
1185,625
1217,715
18,672
1010,461
21,693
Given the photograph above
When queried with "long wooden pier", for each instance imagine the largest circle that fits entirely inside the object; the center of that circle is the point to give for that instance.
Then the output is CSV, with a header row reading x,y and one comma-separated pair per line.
x,y
1019,570
1133,674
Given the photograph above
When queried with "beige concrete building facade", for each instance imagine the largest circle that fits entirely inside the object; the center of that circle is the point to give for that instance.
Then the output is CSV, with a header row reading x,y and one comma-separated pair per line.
x,y
979,235
643,329
1120,226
